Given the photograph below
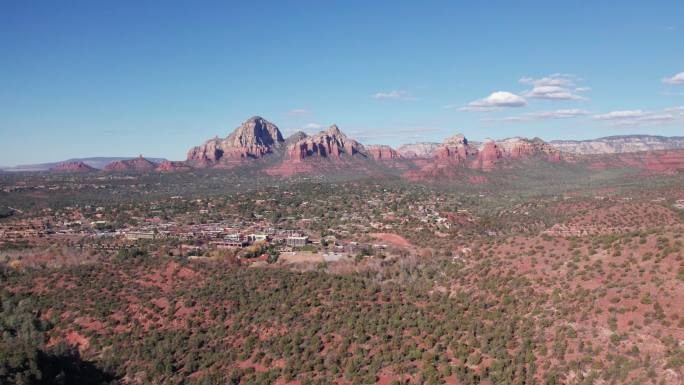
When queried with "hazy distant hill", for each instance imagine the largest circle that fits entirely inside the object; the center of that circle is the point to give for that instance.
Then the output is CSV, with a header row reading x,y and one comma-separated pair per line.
x,y
619,144
95,162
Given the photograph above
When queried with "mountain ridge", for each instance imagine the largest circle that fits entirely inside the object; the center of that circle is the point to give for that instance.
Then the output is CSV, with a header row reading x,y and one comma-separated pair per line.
x,y
618,144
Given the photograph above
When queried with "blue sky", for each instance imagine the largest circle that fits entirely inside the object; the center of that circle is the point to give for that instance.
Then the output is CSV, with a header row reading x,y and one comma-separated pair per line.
x,y
123,78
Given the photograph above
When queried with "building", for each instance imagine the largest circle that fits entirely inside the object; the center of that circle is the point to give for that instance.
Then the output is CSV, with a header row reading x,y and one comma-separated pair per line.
x,y
135,235
295,241
257,237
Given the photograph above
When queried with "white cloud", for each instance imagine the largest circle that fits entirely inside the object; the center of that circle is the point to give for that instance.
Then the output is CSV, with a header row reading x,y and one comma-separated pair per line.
x,y
299,111
394,94
557,79
312,127
629,118
551,93
495,101
676,79
543,115
676,110
554,87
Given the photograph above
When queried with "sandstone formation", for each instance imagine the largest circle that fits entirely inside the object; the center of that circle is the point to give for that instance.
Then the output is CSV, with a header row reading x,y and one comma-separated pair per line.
x,y
135,164
521,148
454,149
328,144
382,152
253,139
488,156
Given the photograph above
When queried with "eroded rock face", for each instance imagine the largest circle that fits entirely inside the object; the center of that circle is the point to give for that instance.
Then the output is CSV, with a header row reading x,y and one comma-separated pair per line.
x,y
454,149
382,152
457,153
253,139
136,164
521,148
488,156
76,166
328,144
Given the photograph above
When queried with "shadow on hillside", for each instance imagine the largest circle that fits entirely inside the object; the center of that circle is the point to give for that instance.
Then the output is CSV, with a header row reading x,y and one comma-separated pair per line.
x,y
67,368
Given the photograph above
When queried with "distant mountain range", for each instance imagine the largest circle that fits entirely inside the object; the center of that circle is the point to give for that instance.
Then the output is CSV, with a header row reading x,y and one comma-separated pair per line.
x,y
607,145
258,145
94,162
619,144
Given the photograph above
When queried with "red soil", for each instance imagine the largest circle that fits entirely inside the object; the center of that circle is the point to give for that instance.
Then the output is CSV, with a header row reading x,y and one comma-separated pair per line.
x,y
394,239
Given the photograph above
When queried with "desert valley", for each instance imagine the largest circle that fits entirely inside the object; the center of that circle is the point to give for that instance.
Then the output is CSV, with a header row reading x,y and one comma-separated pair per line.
x,y
341,192
316,259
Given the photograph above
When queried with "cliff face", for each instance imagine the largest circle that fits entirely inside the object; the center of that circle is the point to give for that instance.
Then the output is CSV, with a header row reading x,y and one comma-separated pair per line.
x,y
253,139
382,152
457,153
136,164
619,144
521,148
454,149
328,144
488,156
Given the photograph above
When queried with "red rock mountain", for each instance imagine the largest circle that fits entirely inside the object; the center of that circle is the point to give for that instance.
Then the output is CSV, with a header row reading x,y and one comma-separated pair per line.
x,y
489,155
520,148
328,144
253,139
136,164
75,166
454,149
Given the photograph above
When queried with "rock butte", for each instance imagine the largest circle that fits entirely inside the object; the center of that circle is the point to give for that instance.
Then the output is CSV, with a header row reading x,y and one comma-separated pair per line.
x,y
253,139
75,166
135,164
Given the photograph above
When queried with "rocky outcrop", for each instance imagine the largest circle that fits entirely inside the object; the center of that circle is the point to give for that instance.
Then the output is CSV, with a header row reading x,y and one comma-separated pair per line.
x,y
328,144
489,155
619,144
135,164
457,153
253,139
417,150
454,149
75,166
171,166
521,148
382,152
